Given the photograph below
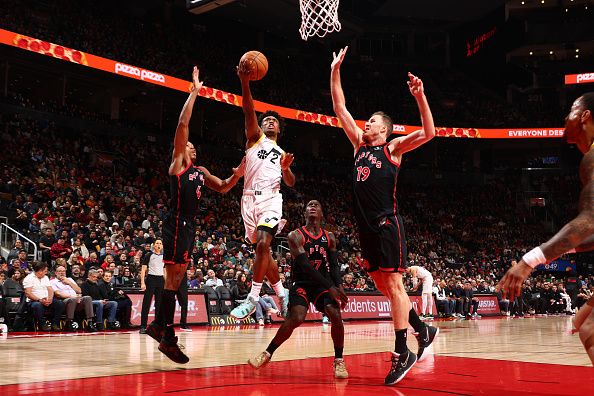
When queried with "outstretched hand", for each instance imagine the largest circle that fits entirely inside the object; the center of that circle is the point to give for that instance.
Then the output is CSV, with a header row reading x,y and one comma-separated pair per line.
x,y
415,85
286,160
243,70
196,83
337,61
511,283
240,170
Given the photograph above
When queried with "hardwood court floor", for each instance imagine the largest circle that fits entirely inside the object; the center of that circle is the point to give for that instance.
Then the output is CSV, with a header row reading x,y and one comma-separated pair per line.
x,y
480,357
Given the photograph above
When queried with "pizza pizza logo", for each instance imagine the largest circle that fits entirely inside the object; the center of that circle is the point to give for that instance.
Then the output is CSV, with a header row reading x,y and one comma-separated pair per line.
x,y
50,49
218,95
316,118
458,132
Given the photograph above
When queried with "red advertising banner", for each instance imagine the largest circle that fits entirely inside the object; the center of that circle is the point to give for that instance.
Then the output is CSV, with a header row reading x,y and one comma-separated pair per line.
x,y
488,305
85,59
378,307
583,78
363,307
197,311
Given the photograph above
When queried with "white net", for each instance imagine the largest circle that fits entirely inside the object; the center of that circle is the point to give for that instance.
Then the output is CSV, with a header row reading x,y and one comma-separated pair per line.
x,y
318,17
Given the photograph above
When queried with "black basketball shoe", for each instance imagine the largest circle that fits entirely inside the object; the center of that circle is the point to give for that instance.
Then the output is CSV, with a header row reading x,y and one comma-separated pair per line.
x,y
401,364
425,338
155,331
172,350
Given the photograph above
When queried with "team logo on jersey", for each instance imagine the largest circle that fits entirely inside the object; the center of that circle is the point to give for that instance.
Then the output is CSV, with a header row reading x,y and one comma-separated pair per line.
x,y
273,153
196,175
323,239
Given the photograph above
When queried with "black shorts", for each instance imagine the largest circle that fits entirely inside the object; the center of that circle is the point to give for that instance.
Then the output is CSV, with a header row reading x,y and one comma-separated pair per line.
x,y
385,250
303,293
178,239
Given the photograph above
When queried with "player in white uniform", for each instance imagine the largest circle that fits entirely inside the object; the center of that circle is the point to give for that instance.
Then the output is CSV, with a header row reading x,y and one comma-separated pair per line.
x,y
262,202
422,277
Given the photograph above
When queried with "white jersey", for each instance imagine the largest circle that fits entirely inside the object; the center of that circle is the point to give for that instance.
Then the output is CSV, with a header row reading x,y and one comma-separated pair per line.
x,y
262,166
422,274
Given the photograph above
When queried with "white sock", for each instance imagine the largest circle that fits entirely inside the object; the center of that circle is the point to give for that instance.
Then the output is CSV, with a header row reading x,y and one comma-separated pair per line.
x,y
279,289
255,292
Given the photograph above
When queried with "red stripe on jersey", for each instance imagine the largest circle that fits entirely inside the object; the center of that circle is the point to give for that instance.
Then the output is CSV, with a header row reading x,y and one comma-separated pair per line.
x,y
389,156
185,169
311,236
401,242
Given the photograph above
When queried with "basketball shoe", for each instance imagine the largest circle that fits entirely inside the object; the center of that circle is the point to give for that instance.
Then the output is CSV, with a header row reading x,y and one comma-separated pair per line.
x,y
245,309
260,361
425,338
401,364
340,370
155,331
172,350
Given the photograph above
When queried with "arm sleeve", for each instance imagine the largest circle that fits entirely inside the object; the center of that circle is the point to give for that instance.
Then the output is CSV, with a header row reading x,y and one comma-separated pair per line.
x,y
303,262
334,267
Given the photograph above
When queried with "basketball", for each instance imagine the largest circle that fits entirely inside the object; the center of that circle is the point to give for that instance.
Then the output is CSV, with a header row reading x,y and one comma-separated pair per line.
x,y
257,64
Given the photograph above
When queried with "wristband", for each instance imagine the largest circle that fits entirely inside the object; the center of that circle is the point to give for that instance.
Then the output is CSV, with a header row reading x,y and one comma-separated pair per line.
x,y
534,257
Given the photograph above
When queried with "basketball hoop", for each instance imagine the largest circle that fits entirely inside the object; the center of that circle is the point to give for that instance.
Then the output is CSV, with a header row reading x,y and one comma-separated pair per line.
x,y
318,17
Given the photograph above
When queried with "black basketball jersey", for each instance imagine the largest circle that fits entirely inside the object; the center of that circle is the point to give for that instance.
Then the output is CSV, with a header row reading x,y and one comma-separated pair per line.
x,y
186,191
374,186
316,247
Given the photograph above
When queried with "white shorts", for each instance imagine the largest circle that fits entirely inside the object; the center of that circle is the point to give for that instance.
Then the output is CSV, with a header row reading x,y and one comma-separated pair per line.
x,y
428,286
264,209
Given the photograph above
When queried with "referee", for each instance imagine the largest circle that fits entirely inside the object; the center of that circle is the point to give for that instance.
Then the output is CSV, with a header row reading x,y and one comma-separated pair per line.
x,y
154,283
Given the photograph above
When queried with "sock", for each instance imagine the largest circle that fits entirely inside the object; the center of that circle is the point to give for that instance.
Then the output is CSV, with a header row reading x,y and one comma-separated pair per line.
x,y
168,310
271,348
255,292
279,289
400,345
414,321
338,352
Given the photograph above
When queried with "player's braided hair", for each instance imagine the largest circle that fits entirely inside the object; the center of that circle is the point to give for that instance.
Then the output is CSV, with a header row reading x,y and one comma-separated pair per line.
x,y
281,120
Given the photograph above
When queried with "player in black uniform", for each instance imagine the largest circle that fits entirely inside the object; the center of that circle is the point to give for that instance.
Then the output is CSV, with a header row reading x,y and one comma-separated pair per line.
x,y
381,231
316,279
186,181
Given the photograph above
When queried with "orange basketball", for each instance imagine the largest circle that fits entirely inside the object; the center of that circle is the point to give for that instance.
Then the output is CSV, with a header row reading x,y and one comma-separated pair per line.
x,y
257,64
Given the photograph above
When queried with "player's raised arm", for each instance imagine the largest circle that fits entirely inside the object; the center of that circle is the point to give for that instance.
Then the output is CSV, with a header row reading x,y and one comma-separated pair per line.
x,y
182,131
353,132
572,235
223,185
252,129
410,142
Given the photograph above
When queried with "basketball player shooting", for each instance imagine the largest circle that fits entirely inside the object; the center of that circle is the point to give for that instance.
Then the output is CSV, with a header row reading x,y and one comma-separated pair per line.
x,y
381,231
185,181
261,204
319,284
578,234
